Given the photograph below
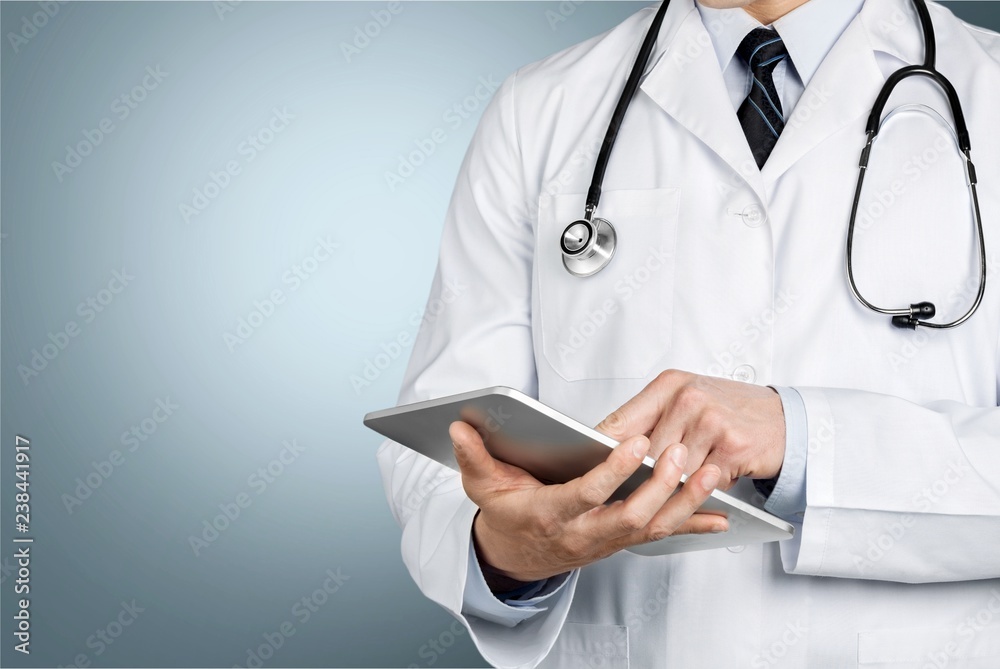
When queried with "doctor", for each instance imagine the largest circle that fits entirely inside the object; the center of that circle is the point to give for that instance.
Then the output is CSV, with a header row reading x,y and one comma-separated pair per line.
x,y
724,339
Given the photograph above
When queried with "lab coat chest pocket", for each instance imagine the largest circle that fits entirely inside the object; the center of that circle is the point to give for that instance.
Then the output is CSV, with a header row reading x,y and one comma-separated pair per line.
x,y
616,323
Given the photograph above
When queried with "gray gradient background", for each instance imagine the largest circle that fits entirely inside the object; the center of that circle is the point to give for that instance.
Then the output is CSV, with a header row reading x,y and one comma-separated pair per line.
x,y
162,336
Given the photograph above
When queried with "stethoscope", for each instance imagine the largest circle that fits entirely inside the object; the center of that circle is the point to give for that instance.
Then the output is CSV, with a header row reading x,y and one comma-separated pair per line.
x,y
588,244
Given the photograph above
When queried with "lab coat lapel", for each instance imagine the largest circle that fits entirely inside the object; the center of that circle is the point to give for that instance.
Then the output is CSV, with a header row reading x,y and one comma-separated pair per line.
x,y
686,82
844,87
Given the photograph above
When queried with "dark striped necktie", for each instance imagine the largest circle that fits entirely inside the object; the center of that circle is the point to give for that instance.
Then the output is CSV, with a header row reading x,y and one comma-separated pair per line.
x,y
760,114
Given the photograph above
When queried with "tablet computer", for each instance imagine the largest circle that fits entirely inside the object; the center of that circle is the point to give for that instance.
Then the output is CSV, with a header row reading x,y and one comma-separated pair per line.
x,y
555,448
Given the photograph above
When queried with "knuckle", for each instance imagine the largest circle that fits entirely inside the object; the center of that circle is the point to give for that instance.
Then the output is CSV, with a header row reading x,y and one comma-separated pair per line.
x,y
547,526
668,376
712,421
733,440
631,519
659,531
592,495
620,468
616,421
573,549
693,497
690,398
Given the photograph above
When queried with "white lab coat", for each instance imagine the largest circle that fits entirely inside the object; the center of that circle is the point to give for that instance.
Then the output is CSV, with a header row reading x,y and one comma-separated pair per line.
x,y
726,270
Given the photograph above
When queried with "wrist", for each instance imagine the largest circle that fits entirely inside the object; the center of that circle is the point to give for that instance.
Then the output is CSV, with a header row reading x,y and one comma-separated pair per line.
x,y
498,580
771,469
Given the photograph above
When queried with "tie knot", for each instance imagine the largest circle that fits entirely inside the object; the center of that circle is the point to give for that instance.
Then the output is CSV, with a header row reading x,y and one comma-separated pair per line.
x,y
762,48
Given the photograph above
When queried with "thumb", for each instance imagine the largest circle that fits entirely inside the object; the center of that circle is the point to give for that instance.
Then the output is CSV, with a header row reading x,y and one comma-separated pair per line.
x,y
474,461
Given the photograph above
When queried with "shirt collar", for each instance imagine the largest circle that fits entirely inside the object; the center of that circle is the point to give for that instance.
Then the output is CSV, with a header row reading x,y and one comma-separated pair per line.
x,y
809,32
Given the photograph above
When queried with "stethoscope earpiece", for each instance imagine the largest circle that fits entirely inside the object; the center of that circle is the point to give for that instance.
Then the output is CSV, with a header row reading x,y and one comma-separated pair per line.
x,y
920,311
588,246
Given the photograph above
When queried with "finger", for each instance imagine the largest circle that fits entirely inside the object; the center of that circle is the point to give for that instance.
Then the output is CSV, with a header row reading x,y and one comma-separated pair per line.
x,y
476,464
641,413
687,419
730,475
595,487
680,507
642,505
668,431
703,523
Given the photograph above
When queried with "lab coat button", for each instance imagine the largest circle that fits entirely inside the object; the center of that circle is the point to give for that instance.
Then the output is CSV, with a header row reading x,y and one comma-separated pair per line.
x,y
744,374
753,216
735,549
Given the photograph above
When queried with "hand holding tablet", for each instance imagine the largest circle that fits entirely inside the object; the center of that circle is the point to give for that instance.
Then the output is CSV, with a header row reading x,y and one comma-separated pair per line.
x,y
555,449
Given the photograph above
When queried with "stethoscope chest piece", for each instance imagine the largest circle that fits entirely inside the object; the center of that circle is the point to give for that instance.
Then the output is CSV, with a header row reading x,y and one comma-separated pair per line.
x,y
588,246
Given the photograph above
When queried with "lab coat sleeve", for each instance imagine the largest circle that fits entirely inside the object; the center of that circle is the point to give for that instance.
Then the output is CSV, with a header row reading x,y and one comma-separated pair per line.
x,y
898,491
476,332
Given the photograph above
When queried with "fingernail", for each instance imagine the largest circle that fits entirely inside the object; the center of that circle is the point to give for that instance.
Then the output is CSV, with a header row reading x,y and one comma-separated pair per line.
x,y
677,456
639,448
719,529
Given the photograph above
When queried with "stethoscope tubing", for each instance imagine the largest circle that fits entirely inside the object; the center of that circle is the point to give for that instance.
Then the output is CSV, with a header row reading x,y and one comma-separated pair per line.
x,y
598,250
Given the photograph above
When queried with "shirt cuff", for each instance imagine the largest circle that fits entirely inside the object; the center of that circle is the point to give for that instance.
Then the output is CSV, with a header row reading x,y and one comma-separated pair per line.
x,y
788,499
480,602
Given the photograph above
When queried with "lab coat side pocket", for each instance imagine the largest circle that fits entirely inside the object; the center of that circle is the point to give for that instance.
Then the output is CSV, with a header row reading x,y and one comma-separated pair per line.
x,y
617,323
582,645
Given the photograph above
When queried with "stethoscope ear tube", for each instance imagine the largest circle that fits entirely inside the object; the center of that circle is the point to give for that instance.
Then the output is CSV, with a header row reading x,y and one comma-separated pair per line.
x,y
919,313
589,243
